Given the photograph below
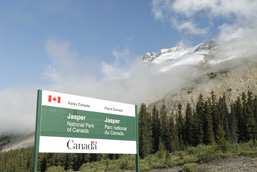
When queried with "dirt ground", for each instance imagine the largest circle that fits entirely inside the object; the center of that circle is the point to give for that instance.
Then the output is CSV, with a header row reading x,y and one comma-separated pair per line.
x,y
238,164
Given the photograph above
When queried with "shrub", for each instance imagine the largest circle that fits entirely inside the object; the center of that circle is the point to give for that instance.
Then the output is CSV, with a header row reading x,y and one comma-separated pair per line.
x,y
193,167
189,167
207,154
55,169
181,155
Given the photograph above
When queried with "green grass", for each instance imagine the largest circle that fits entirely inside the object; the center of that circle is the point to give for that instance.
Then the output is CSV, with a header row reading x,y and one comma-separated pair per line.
x,y
189,158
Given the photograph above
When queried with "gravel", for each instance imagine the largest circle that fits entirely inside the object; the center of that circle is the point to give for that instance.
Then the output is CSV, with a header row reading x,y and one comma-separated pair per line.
x,y
236,164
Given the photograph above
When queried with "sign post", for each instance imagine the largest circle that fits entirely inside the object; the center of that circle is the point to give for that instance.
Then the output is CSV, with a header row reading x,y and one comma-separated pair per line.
x,y
74,124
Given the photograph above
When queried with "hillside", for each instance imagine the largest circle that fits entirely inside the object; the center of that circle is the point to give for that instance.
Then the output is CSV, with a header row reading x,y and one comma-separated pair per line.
x,y
231,77
178,75
23,141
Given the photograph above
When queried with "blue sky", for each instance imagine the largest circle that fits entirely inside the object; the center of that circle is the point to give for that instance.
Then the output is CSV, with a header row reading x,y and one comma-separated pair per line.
x,y
93,29
74,46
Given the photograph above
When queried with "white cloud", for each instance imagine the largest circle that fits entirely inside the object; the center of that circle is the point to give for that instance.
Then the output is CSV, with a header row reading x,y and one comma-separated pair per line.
x,y
228,32
64,60
157,9
51,74
123,82
110,70
191,28
224,8
18,109
120,54
237,13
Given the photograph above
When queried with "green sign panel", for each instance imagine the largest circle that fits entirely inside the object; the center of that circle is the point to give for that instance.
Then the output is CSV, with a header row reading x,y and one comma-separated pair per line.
x,y
74,124
63,122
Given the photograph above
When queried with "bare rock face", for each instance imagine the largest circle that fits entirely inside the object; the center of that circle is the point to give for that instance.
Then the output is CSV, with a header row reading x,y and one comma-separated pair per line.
x,y
24,141
232,78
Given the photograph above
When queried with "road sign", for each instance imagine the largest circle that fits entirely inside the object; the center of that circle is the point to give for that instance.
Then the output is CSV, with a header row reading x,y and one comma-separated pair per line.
x,y
75,124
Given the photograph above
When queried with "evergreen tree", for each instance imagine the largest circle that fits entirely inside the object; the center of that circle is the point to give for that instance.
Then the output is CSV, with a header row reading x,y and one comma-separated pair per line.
x,y
180,128
199,117
215,114
145,132
174,135
255,116
223,108
250,120
220,140
189,125
240,119
246,129
156,133
197,129
200,108
233,126
165,131
255,108
209,135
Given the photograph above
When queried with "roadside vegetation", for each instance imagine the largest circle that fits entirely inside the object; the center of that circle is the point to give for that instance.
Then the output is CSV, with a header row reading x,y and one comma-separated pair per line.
x,y
210,131
22,160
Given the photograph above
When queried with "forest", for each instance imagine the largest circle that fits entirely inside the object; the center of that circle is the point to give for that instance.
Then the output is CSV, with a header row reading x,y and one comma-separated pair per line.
x,y
212,123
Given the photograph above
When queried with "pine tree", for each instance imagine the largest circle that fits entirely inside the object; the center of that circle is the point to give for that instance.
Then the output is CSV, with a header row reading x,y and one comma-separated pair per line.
x,y
189,125
174,135
215,114
250,121
246,129
180,127
233,126
255,116
145,132
209,135
200,108
165,131
156,129
255,108
199,119
220,140
197,129
240,119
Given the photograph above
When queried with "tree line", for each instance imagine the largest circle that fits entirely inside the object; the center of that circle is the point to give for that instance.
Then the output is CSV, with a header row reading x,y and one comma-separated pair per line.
x,y
22,160
211,121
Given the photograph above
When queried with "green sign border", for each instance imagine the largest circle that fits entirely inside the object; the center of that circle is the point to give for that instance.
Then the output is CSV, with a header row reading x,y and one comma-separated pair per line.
x,y
38,127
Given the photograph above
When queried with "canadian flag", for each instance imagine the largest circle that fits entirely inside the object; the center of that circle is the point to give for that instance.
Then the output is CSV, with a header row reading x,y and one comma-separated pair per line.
x,y
94,142
54,99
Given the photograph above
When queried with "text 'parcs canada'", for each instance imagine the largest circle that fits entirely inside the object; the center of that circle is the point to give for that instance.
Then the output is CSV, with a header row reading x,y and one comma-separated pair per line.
x,y
78,104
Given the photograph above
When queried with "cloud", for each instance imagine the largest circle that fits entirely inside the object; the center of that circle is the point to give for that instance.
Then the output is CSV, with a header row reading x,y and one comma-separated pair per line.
x,y
237,16
65,60
228,32
122,79
224,8
109,70
133,82
159,8
189,27
18,109
120,54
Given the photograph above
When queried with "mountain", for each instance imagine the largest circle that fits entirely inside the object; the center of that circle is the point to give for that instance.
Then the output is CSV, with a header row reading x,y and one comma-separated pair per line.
x,y
23,141
223,67
177,56
181,74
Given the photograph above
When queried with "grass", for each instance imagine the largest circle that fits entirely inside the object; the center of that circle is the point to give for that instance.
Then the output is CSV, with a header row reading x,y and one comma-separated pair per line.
x,y
189,159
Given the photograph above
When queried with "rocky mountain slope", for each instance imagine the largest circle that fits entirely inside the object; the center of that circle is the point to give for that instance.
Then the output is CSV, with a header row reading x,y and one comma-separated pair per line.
x,y
231,77
24,141
225,67
222,67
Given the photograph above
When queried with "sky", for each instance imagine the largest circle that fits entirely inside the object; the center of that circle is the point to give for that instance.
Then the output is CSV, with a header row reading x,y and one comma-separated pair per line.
x,y
78,47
